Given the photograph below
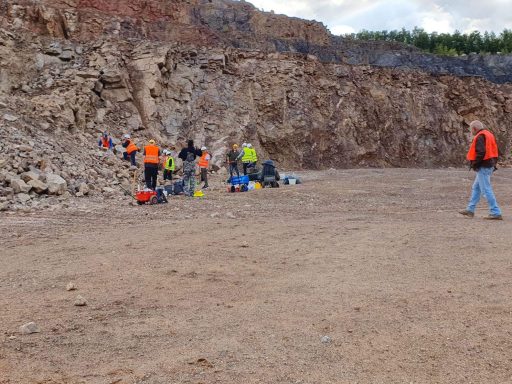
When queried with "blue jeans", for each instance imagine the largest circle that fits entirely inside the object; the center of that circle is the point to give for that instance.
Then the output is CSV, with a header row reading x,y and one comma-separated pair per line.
x,y
130,157
482,185
233,168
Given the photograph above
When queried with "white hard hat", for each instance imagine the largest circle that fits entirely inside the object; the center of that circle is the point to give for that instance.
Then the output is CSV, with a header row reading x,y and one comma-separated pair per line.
x,y
126,136
166,152
244,145
249,145
203,148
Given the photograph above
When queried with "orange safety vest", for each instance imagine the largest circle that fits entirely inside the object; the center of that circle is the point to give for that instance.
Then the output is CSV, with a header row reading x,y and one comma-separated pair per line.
x,y
491,148
151,154
105,141
131,147
203,163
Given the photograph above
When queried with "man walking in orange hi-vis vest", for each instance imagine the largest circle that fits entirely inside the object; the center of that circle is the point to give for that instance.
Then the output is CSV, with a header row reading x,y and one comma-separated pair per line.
x,y
151,162
483,156
204,163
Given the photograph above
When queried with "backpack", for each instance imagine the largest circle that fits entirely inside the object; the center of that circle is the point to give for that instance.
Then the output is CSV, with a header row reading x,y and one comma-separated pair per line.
x,y
189,166
177,187
190,156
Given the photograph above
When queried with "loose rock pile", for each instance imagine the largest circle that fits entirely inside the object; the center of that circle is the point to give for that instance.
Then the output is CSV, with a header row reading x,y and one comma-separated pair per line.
x,y
39,171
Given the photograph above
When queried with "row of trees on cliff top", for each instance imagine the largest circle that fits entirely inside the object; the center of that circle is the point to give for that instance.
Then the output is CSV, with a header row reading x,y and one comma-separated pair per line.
x,y
444,43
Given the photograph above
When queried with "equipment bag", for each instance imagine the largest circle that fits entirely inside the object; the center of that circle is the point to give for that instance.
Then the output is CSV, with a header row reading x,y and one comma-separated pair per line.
x,y
160,195
177,187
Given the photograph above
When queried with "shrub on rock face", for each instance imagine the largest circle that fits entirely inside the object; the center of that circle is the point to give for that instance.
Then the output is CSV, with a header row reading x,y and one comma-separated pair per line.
x,y
56,184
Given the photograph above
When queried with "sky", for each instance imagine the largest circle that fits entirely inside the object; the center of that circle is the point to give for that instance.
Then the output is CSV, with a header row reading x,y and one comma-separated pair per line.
x,y
443,16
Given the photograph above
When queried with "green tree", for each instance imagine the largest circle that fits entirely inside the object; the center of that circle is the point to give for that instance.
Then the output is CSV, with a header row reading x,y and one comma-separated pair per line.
x,y
444,43
443,50
475,42
506,41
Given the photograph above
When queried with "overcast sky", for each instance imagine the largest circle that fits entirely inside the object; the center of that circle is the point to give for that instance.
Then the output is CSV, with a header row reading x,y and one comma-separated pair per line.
x,y
346,16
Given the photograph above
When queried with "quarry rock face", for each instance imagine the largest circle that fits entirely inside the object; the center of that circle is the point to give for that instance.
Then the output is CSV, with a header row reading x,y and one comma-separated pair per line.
x,y
216,72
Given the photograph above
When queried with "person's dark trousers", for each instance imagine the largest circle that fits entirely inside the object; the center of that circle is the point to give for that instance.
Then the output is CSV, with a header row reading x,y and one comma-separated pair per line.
x,y
204,177
167,174
233,167
245,168
151,175
130,157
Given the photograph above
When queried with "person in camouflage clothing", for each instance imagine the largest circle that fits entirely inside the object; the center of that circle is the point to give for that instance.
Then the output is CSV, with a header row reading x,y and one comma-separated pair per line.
x,y
188,155
189,175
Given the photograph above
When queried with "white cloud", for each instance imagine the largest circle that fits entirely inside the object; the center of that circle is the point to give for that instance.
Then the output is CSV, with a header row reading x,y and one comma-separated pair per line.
x,y
433,24
342,29
342,16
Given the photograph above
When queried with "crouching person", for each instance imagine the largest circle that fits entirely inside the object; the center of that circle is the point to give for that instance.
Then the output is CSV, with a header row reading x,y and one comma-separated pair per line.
x,y
105,142
131,150
269,175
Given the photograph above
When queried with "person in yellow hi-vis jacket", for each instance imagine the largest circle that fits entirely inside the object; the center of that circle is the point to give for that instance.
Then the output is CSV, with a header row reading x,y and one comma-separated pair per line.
x,y
254,155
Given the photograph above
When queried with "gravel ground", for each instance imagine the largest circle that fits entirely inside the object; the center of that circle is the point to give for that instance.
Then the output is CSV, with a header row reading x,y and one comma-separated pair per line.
x,y
355,276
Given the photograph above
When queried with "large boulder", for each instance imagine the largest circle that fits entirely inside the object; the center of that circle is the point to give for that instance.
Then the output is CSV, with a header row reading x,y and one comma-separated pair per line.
x,y
19,186
38,186
56,184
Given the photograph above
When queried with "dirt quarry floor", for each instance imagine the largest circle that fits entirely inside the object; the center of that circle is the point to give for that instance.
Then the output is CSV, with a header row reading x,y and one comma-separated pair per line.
x,y
356,276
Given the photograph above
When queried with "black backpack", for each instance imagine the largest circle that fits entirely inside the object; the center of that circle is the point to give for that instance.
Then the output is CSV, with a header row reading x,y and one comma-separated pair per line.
x,y
177,187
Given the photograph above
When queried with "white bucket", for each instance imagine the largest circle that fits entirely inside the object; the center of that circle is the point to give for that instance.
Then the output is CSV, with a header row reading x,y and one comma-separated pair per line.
x,y
292,181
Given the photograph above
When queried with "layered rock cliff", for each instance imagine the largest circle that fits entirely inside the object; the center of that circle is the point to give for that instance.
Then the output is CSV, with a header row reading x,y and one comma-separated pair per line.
x,y
217,72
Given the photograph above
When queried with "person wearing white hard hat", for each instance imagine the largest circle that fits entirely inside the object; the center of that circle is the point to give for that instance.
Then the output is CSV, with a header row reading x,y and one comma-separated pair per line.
x,y
253,155
169,165
204,163
246,157
131,149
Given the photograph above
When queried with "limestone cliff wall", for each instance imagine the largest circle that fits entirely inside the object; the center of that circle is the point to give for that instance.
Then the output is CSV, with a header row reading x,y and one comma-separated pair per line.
x,y
216,71
294,108
227,23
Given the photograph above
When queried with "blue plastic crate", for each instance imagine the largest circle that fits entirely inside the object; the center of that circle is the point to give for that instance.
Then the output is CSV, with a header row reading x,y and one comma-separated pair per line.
x,y
239,180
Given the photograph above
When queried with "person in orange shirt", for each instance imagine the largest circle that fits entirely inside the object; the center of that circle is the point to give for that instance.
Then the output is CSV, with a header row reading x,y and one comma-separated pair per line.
x,y
105,142
151,162
131,150
483,157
